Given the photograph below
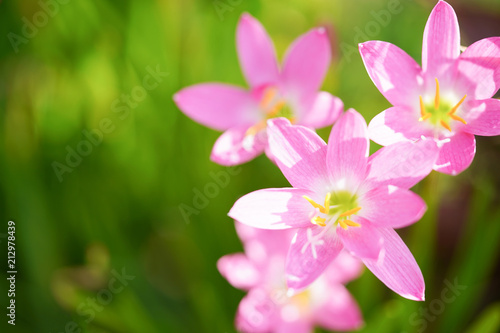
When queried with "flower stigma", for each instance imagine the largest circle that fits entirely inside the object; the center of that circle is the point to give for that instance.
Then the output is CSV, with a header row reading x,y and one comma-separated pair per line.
x,y
338,207
440,112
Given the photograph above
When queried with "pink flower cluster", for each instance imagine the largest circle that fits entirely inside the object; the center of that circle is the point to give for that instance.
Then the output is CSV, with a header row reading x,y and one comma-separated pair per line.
x,y
269,306
343,205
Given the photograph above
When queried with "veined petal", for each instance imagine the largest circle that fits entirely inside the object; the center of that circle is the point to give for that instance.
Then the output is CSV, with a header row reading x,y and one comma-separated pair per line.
x,y
364,241
339,312
479,69
306,261
390,206
396,124
218,106
233,147
402,164
457,154
483,117
397,269
239,271
321,110
299,152
348,147
270,155
274,208
256,52
441,45
306,62
393,71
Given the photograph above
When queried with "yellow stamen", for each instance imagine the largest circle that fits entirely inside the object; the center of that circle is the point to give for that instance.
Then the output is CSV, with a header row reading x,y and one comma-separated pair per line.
x,y
443,122
460,119
302,300
327,202
256,128
352,224
276,108
271,105
314,203
454,109
268,97
445,125
319,221
422,107
436,99
343,224
350,212
425,117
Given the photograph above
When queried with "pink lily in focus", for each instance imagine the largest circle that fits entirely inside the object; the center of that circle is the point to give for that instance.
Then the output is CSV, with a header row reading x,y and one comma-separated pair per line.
x,y
448,99
341,198
290,91
268,308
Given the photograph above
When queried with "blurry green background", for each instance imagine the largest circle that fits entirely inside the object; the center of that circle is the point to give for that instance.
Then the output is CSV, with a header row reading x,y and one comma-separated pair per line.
x,y
118,208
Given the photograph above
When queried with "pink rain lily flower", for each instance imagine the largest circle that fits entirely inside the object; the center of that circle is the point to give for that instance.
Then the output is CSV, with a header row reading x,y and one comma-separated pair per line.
x,y
289,91
268,307
448,99
341,198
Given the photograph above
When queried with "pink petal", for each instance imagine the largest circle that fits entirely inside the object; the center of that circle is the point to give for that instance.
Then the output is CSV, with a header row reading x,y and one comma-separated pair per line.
x,y
348,147
274,208
403,164
256,52
306,62
390,206
344,268
260,243
300,325
233,147
479,69
218,106
483,117
239,271
441,45
397,269
456,155
306,262
364,241
340,312
270,155
322,110
245,232
257,313
393,71
396,124
299,152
